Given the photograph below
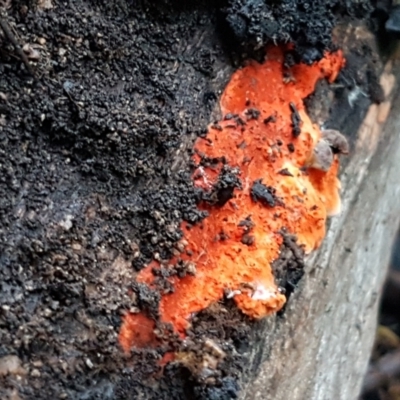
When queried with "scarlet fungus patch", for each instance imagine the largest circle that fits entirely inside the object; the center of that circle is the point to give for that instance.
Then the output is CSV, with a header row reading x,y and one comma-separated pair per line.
x,y
266,130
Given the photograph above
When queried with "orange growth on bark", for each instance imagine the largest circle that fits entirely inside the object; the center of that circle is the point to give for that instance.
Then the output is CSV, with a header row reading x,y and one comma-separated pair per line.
x,y
263,147
137,329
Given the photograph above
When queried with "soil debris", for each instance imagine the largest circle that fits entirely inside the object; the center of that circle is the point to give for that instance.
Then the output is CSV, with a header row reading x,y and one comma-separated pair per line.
x,y
296,120
264,194
285,172
223,189
308,25
89,189
252,113
271,118
289,267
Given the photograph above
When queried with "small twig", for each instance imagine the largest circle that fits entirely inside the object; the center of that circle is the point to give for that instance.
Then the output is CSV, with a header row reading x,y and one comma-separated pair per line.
x,y
10,36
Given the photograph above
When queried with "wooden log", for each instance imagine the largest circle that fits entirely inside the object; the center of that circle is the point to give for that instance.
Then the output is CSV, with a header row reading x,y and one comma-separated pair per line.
x,y
79,214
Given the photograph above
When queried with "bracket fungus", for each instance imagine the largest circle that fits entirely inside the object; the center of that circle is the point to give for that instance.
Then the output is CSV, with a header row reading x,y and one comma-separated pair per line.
x,y
288,181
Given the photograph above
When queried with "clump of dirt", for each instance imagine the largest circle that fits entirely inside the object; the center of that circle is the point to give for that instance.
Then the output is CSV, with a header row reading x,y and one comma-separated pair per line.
x,y
289,267
306,24
223,190
264,194
225,333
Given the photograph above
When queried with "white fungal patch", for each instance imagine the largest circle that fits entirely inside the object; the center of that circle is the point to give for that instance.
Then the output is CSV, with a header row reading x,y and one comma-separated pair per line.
x,y
262,293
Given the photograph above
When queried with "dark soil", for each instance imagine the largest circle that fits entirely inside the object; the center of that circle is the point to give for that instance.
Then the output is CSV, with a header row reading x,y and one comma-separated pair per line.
x,y
94,183
306,24
89,186
289,267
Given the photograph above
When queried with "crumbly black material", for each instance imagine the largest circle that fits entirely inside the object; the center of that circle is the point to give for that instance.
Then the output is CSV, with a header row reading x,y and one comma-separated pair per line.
x,y
288,269
307,24
296,120
223,189
264,194
89,187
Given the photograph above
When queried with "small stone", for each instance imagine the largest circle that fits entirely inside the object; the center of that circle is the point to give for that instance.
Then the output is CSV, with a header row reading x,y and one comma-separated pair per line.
x,y
191,268
31,52
47,312
37,364
11,364
336,141
175,252
76,246
66,223
322,156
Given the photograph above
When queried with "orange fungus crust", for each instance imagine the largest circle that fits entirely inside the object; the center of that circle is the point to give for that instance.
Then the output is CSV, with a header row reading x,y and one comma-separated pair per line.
x,y
260,148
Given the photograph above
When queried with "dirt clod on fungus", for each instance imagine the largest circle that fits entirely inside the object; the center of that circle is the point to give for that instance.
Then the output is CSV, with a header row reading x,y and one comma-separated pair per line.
x,y
258,152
